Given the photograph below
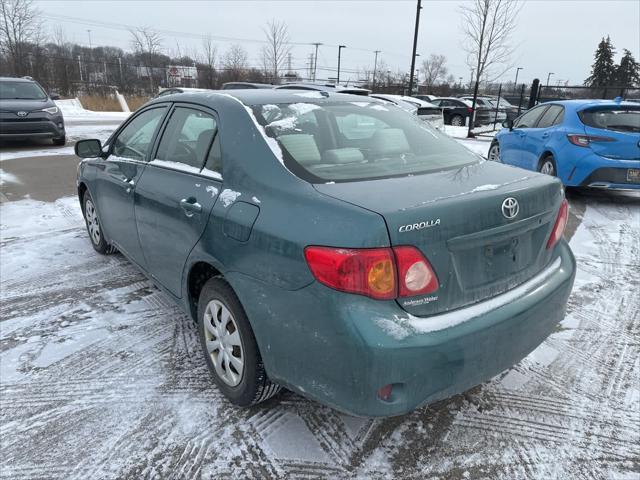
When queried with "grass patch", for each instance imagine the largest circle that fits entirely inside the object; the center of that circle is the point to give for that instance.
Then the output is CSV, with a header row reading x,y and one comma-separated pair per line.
x,y
101,103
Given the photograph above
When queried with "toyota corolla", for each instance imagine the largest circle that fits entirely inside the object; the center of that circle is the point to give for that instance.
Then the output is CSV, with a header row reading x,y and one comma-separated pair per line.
x,y
331,245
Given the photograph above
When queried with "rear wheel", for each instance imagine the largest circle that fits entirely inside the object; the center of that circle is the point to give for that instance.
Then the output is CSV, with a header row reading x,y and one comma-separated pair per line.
x,y
548,166
94,228
229,346
457,121
494,152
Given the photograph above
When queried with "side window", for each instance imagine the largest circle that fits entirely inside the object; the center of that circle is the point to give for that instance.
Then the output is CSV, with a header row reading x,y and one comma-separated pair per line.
x,y
136,138
187,137
549,117
530,118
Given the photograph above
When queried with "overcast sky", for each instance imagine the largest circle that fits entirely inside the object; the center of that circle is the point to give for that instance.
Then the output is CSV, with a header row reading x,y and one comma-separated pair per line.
x,y
551,36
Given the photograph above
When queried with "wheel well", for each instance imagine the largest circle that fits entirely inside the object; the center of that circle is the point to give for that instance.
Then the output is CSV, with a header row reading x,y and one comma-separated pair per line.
x,y
81,189
199,274
544,156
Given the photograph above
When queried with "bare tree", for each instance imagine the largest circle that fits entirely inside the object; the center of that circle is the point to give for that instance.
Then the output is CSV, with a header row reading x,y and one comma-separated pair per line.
x,y
148,44
275,52
487,27
434,69
20,25
209,54
235,62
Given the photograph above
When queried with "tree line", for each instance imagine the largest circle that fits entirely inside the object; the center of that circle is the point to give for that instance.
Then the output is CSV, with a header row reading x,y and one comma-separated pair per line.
x,y
605,72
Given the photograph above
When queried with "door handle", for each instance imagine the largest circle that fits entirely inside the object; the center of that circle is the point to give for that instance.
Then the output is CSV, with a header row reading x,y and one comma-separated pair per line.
x,y
190,206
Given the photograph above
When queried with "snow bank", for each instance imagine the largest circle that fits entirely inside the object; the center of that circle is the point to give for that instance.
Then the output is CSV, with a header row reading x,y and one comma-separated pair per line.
x,y
72,108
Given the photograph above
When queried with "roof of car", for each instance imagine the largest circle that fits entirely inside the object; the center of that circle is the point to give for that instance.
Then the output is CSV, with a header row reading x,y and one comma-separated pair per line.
x,y
17,79
586,103
255,96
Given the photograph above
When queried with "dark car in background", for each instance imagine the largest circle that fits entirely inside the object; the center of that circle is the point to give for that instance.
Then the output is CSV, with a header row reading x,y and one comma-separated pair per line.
x,y
244,85
497,112
457,111
324,87
331,245
27,112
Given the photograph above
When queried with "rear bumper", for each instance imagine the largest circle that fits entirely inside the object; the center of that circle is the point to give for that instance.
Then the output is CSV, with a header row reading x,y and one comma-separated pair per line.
x,y
341,349
585,168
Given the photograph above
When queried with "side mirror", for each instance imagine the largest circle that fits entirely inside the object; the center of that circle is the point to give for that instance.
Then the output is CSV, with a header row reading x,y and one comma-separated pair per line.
x,y
91,148
508,123
54,96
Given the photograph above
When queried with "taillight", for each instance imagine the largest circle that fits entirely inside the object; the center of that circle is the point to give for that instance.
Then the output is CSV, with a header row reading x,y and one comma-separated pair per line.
x,y
586,140
415,275
559,226
469,109
380,273
369,271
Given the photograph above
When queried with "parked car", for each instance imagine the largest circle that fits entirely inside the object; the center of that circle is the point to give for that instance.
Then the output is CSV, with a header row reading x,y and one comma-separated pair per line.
x,y
458,111
590,143
497,113
324,87
512,111
331,246
426,98
244,85
27,112
424,110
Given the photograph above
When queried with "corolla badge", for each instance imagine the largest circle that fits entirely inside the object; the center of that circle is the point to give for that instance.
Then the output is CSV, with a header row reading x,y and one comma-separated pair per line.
x,y
510,207
419,225
22,114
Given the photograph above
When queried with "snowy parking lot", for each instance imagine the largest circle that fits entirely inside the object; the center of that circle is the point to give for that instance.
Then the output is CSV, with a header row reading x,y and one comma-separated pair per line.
x,y
103,377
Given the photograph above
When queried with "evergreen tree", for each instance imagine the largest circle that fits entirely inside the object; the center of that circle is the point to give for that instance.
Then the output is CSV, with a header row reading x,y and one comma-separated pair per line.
x,y
628,72
603,70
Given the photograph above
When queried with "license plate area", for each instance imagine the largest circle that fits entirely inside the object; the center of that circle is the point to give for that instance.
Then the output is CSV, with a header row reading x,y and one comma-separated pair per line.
x,y
633,175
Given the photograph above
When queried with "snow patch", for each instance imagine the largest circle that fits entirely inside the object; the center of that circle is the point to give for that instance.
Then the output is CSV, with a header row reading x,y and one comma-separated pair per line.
x,y
484,188
227,197
212,190
382,108
310,94
6,177
255,199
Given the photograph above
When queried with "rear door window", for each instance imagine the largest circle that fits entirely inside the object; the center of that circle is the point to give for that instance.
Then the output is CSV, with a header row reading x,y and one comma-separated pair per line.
x,y
550,117
187,137
619,119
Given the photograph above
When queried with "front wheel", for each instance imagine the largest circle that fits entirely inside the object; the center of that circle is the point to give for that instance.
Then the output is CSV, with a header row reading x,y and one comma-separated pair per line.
x,y
548,166
229,346
94,228
494,152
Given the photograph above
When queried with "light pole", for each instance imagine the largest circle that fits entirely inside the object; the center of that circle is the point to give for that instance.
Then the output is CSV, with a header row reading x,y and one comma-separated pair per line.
x,y
89,33
415,46
515,83
548,77
460,82
375,66
340,47
315,60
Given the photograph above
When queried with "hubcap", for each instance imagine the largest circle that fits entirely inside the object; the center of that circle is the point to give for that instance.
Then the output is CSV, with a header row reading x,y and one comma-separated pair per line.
x,y
92,222
494,153
547,168
456,122
222,338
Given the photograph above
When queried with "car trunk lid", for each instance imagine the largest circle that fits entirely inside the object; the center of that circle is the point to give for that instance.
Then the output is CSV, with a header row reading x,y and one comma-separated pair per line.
x,y
455,218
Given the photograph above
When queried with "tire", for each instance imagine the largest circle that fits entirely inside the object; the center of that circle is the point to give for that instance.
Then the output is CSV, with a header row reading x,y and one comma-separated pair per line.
x,y
547,166
494,152
60,141
94,229
244,380
457,121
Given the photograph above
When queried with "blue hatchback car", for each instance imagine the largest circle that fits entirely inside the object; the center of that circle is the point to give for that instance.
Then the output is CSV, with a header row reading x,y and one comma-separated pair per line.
x,y
588,143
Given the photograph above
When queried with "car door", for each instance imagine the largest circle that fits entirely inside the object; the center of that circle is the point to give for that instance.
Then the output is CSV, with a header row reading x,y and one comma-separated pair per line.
x,y
512,144
176,192
117,175
535,140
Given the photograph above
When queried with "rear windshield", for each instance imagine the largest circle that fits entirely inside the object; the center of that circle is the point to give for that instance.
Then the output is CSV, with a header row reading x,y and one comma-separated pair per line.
x,y
619,119
21,91
350,141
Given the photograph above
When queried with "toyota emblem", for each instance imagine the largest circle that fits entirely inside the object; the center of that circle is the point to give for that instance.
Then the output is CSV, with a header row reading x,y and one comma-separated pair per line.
x,y
510,208
22,114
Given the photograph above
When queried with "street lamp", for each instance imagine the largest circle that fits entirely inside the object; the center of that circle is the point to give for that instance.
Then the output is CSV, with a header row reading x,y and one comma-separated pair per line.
x,y
548,77
340,47
515,83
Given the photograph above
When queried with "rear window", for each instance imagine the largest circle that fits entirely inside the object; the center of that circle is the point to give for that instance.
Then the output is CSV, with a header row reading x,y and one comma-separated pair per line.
x,y
616,118
351,141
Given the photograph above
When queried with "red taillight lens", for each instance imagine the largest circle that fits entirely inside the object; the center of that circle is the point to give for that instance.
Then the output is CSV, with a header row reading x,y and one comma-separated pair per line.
x,y
561,223
415,275
469,109
586,140
369,271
